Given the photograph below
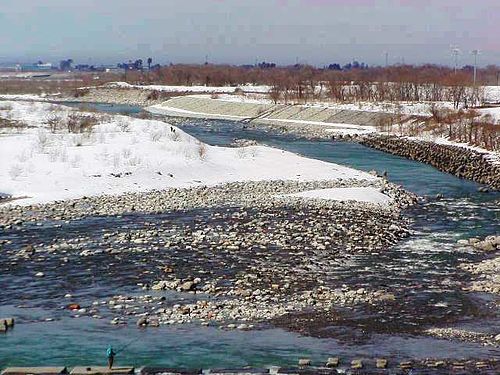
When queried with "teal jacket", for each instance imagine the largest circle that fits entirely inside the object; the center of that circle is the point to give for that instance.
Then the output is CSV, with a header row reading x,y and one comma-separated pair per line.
x,y
110,352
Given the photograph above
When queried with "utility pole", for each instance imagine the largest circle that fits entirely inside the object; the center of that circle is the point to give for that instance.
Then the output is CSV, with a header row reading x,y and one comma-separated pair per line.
x,y
475,53
455,52
386,59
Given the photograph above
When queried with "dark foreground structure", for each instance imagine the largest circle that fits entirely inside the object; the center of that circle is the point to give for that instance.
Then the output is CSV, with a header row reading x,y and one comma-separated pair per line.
x,y
332,366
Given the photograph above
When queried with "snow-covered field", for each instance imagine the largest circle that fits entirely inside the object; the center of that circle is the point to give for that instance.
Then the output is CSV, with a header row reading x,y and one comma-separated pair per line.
x,y
123,154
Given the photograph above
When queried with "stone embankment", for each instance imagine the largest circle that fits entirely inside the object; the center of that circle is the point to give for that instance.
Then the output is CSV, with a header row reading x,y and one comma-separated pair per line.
x,y
456,160
303,120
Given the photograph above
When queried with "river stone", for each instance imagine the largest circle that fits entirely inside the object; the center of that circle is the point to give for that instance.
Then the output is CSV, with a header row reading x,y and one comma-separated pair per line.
x,y
381,363
485,245
142,322
357,364
188,286
332,362
304,362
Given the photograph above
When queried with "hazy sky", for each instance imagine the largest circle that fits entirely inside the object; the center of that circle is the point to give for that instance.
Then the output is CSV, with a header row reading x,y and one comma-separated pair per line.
x,y
240,31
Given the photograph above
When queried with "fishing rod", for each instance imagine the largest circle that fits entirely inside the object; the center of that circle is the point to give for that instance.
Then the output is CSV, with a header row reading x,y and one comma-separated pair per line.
x,y
128,344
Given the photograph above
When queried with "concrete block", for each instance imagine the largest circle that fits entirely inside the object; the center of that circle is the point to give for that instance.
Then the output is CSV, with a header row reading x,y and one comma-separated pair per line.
x,y
406,365
333,362
34,370
356,364
381,363
168,371
101,370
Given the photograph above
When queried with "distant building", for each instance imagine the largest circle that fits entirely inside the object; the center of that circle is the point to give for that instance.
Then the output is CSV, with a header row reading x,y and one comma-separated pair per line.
x,y
37,67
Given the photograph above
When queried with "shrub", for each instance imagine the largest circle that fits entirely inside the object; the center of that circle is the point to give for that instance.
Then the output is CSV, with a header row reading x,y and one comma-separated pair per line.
x,y
5,107
123,124
54,122
145,115
156,134
15,171
77,140
79,93
78,123
174,136
202,151
241,152
154,95
42,138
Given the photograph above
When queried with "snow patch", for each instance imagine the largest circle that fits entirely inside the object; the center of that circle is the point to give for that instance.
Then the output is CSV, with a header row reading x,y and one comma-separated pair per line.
x,y
123,154
360,194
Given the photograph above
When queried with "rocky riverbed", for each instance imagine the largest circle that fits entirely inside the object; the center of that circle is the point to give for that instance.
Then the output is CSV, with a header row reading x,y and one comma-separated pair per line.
x,y
251,256
487,272
248,194
485,279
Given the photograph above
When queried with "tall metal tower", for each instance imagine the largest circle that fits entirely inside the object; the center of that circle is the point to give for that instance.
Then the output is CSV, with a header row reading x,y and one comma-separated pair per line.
x,y
455,51
475,53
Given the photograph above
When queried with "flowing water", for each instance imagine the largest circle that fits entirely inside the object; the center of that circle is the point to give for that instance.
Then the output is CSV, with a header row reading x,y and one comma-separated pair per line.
x,y
421,271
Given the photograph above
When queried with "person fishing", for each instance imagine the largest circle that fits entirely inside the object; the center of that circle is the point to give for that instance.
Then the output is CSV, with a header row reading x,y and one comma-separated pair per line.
x,y
110,353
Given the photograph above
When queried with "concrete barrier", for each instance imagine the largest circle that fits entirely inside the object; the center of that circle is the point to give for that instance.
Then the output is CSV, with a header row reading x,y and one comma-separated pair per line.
x,y
34,370
101,370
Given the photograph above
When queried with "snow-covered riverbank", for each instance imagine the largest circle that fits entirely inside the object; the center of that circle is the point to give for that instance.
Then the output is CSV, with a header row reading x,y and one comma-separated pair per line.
x,y
119,154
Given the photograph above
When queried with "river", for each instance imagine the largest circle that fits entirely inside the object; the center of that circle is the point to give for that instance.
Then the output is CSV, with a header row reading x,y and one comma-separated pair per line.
x,y
422,270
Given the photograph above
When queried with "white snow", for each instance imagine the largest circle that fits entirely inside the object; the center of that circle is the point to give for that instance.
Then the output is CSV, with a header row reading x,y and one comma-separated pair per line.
x,y
492,94
493,156
30,97
493,112
146,154
360,194
172,111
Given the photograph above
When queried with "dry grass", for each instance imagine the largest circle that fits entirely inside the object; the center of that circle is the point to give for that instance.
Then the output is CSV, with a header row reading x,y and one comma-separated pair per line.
x,y
80,123
66,85
202,151
11,124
